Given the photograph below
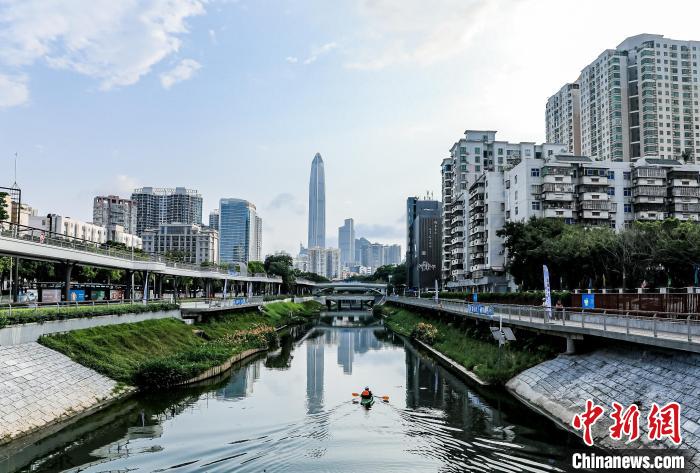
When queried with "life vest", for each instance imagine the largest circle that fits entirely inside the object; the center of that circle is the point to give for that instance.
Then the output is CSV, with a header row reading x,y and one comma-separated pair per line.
x,y
365,393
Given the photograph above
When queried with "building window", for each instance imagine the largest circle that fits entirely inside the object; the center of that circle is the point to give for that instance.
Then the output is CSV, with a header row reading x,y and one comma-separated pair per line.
x,y
500,151
516,210
516,179
628,208
516,196
611,174
477,150
627,192
611,191
477,168
535,172
535,205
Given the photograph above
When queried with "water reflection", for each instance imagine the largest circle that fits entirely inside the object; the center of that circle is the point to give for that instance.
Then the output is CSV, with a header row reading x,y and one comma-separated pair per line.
x,y
259,418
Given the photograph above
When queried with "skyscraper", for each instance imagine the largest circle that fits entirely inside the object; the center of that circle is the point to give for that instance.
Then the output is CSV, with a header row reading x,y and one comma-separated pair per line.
x,y
317,204
346,242
240,231
112,210
424,238
156,206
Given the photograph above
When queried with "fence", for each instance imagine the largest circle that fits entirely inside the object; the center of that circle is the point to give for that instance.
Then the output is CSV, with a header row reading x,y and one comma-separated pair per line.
x,y
680,303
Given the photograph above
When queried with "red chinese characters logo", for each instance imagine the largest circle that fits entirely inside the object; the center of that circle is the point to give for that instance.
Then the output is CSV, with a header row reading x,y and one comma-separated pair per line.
x,y
586,420
663,422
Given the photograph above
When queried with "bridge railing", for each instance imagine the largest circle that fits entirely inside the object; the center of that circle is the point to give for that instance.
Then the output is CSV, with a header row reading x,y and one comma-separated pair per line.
x,y
628,322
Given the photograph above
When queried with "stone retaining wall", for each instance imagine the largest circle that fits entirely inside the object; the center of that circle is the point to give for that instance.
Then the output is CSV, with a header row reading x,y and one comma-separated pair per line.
x,y
559,389
40,387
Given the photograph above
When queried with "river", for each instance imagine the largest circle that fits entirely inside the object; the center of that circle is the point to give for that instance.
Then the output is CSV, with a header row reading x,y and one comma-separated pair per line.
x,y
292,410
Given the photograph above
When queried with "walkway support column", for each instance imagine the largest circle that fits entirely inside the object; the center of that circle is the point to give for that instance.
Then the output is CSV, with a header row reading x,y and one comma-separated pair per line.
x,y
570,346
66,280
129,286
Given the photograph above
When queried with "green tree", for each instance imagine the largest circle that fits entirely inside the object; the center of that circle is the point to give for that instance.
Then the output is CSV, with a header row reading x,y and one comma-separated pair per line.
x,y
281,265
256,267
3,207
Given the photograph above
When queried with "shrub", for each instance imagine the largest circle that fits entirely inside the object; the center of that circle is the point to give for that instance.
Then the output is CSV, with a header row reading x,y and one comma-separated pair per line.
x,y
44,314
425,332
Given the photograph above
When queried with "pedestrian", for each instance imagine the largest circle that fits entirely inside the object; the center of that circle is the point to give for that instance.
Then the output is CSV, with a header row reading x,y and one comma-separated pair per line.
x,y
559,310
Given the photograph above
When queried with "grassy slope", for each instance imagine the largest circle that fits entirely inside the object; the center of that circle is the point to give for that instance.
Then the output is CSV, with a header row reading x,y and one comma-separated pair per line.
x,y
478,356
122,351
43,314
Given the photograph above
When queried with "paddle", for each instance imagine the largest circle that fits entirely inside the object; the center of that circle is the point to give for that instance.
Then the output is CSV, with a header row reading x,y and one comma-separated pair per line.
x,y
383,398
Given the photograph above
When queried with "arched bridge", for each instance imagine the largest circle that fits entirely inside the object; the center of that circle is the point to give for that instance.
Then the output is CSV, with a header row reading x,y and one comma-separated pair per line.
x,y
351,294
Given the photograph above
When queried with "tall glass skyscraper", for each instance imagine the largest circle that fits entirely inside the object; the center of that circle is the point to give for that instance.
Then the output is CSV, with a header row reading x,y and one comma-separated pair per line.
x,y
240,231
317,204
346,241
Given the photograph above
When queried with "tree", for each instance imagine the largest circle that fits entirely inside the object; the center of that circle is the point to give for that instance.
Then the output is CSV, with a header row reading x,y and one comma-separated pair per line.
x,y
281,265
256,267
3,207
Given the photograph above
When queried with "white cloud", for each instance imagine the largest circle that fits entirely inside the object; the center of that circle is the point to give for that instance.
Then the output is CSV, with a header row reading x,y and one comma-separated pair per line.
x,y
184,70
317,52
291,59
115,42
420,32
13,90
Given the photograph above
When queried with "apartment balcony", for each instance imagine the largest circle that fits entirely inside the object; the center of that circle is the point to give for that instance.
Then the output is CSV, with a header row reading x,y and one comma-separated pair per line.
x,y
647,199
558,196
476,229
557,179
685,191
595,214
594,205
559,188
594,196
649,215
475,242
478,267
600,180
558,213
476,204
649,172
685,216
680,207
649,191
457,273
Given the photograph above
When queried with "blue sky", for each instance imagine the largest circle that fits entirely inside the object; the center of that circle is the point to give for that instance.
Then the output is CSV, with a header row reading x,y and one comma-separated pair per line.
x,y
234,98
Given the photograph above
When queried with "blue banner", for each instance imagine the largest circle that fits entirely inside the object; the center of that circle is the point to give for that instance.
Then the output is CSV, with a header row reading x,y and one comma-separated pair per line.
x,y
547,289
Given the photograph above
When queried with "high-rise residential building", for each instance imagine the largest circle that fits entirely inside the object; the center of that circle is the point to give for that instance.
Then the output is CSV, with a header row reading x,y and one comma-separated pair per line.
x,y
214,219
317,204
552,183
157,205
476,153
361,251
113,210
346,242
392,254
240,231
324,262
423,238
639,100
190,243
563,118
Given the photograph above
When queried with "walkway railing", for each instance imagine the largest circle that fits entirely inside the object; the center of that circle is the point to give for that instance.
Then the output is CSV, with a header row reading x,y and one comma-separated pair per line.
x,y
618,324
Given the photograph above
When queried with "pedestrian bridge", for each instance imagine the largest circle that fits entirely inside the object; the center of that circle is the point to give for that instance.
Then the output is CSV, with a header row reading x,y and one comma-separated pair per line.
x,y
26,244
351,294
673,331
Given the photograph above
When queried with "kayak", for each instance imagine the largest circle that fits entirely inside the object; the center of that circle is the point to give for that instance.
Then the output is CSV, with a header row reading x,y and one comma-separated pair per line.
x,y
367,402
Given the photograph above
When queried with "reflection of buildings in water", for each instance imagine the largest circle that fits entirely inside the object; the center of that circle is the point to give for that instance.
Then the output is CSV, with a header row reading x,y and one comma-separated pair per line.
x,y
351,341
241,382
314,374
345,350
442,390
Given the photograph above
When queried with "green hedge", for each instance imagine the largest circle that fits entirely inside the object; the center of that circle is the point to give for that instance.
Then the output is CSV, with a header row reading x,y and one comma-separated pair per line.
x,y
43,314
520,298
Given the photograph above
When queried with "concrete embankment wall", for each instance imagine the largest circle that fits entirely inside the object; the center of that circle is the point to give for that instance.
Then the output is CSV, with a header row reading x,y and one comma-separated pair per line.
x,y
40,387
559,389
25,333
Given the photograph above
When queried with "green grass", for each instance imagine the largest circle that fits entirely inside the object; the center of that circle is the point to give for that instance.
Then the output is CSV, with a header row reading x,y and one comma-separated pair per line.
x,y
473,350
159,353
44,314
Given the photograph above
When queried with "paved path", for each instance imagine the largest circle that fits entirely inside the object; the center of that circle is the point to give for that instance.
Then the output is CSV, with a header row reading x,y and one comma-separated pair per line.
x,y
677,334
39,386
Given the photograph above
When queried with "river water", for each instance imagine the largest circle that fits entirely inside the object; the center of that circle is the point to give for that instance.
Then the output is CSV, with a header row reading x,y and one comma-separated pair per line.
x,y
292,410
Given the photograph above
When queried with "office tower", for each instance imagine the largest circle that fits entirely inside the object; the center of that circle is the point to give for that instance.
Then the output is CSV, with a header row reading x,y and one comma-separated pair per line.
x,y
317,204
189,243
240,230
392,254
563,118
424,238
361,251
157,205
113,210
346,242
214,219
640,99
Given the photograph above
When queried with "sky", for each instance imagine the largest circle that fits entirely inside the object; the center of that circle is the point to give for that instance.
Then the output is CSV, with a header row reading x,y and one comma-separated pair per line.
x,y
234,98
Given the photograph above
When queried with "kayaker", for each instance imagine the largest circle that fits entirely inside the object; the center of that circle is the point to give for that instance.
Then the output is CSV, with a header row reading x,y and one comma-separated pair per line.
x,y
366,394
